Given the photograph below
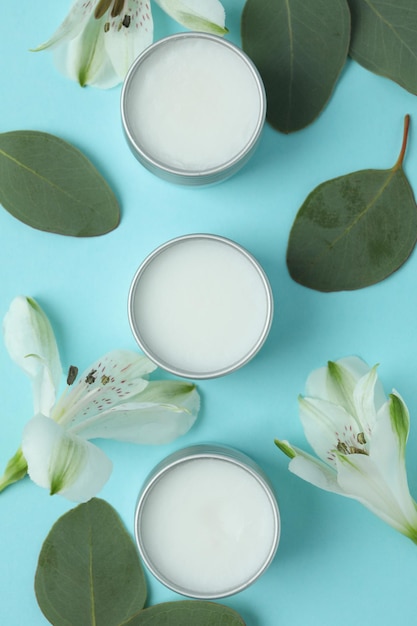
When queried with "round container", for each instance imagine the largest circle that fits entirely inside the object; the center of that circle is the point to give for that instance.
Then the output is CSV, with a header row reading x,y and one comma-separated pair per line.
x,y
200,306
193,107
207,522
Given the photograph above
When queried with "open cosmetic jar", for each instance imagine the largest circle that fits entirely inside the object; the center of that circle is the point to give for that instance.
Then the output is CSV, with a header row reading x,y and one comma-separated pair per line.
x,y
193,106
200,306
207,522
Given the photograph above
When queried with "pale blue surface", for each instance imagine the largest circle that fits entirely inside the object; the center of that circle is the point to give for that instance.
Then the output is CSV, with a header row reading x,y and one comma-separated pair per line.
x,y
337,563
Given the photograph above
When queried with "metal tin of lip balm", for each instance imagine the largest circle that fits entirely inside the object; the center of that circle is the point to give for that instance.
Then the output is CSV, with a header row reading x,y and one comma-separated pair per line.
x,y
207,522
200,306
193,108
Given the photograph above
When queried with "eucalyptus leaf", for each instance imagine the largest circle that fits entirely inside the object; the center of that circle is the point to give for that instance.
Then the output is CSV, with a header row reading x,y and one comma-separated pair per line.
x,y
186,613
299,48
89,572
384,39
355,230
50,185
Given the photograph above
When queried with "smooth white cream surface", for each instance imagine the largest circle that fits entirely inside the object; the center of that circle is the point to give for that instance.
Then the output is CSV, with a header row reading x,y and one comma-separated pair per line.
x,y
208,526
193,104
200,306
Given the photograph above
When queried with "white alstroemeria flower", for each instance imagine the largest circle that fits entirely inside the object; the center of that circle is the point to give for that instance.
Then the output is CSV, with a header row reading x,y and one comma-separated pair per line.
x,y
99,39
112,399
359,436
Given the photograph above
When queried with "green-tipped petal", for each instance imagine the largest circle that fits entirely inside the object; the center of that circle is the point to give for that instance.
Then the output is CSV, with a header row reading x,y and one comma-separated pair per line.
x,y
202,15
84,59
31,343
364,400
16,469
314,471
389,437
387,450
63,463
285,447
181,393
342,385
400,421
164,411
337,381
363,479
309,468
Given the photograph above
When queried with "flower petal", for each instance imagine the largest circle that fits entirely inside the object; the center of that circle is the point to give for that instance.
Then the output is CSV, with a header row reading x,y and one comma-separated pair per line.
x,y
164,411
337,381
16,469
388,451
31,344
327,425
357,477
128,35
99,51
285,447
114,378
202,15
313,471
360,478
72,61
84,58
62,462
368,397
73,24
369,464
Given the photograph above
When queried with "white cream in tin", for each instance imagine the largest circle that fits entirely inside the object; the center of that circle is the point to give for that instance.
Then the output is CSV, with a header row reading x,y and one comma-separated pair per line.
x,y
208,526
193,107
200,306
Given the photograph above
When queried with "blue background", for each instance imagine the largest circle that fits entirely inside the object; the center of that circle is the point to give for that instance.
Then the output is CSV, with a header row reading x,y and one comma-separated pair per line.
x,y
336,562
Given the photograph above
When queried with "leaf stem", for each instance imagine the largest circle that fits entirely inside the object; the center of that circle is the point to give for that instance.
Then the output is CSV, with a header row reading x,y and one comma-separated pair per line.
x,y
401,156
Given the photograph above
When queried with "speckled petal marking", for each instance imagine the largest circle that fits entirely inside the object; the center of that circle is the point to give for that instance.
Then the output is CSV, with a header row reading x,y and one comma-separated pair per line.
x,y
109,381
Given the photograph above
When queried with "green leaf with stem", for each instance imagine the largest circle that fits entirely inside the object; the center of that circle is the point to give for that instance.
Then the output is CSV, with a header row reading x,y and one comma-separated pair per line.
x,y
355,230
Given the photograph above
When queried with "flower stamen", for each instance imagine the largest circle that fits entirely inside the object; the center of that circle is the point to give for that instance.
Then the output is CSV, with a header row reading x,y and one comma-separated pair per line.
x,y
72,374
90,378
117,7
101,8
343,448
361,438
355,450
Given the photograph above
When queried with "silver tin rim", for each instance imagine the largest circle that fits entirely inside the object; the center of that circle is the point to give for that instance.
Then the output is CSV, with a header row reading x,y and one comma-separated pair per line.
x,y
178,371
183,176
210,451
